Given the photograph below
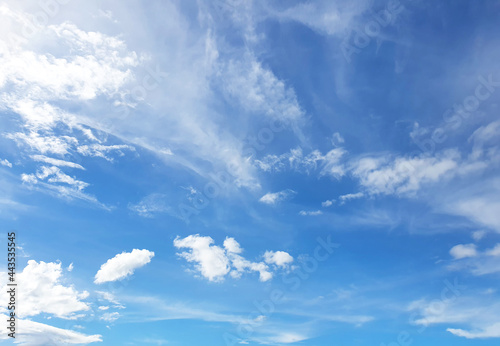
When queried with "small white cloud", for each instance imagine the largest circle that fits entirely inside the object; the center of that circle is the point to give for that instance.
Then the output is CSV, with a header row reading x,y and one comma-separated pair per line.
x,y
478,235
350,196
103,307
491,331
337,140
99,150
6,163
310,213
273,198
463,251
279,258
123,265
56,162
110,316
328,203
494,252
70,267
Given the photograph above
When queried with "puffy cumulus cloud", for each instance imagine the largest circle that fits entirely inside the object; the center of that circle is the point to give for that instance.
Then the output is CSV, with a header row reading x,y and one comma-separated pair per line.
x,y
32,333
463,251
41,291
211,260
279,258
329,164
214,262
232,246
123,265
273,198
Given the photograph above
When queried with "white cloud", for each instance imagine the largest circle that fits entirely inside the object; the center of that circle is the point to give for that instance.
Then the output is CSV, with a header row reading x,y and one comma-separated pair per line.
x,y
123,265
32,333
214,262
327,203
110,297
100,150
232,246
326,165
70,267
325,17
479,315
481,209
337,140
350,196
287,338
478,235
110,316
211,260
259,91
41,291
490,331
56,162
279,258
310,213
463,251
5,163
273,198
150,205
53,174
385,175
494,252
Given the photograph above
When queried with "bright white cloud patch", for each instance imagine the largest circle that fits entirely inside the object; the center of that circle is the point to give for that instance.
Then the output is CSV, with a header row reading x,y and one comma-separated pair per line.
x,y
123,265
41,291
327,203
211,260
279,258
214,262
32,333
350,196
491,331
5,163
463,251
273,198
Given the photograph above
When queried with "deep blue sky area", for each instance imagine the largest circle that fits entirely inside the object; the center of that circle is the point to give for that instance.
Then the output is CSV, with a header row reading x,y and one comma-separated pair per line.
x,y
238,172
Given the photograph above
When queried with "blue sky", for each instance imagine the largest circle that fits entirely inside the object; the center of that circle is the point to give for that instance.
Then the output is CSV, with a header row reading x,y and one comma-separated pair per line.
x,y
262,173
